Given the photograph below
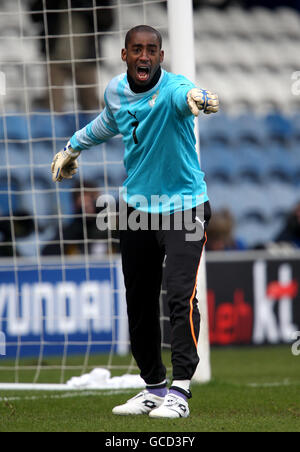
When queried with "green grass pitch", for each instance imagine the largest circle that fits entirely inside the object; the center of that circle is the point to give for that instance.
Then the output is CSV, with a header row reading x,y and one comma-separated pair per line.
x,y
252,390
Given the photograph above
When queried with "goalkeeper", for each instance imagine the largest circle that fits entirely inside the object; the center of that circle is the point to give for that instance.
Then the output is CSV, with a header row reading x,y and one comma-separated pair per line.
x,y
154,110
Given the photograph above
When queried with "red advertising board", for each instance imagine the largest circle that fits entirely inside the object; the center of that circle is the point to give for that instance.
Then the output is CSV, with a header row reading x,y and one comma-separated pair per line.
x,y
253,301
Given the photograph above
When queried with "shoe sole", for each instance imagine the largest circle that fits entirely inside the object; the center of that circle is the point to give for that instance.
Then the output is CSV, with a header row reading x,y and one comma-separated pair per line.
x,y
162,416
120,413
130,414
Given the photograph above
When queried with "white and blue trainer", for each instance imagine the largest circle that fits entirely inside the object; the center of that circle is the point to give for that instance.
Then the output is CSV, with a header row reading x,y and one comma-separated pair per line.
x,y
172,407
142,403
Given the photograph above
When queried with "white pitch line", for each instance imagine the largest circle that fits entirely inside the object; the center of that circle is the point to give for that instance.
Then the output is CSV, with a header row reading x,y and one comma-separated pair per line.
x,y
271,384
106,393
67,395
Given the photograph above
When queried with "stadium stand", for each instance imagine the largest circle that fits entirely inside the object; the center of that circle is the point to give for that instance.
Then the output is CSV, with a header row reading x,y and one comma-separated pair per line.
x,y
250,152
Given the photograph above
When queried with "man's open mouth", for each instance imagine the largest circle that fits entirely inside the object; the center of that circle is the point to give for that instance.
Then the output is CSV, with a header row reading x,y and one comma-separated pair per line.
x,y
143,73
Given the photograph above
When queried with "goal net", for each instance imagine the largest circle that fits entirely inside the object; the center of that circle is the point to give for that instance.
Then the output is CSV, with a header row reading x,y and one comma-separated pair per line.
x,y
62,303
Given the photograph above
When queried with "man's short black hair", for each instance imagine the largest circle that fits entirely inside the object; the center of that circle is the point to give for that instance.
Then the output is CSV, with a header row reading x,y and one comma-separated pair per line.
x,y
145,28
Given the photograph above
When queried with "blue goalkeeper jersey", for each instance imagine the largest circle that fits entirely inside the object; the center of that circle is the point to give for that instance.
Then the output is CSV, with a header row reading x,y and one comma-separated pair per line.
x,y
160,156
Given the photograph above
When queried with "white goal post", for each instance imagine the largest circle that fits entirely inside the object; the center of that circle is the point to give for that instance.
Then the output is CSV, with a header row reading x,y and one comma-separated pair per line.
x,y
182,46
51,303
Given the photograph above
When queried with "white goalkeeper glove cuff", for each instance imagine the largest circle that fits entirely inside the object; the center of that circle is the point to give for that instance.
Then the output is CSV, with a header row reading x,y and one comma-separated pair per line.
x,y
65,164
202,100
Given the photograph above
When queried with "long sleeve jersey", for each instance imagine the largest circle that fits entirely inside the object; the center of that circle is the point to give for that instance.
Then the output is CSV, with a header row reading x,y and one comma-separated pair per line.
x,y
160,155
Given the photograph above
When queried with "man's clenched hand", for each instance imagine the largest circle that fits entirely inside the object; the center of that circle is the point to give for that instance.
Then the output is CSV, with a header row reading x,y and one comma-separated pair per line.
x,y
202,100
64,164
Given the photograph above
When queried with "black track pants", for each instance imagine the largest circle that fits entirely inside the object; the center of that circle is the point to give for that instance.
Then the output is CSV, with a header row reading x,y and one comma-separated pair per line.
x,y
143,254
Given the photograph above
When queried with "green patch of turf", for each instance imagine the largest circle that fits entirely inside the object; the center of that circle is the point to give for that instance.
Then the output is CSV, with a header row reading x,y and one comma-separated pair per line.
x,y
252,390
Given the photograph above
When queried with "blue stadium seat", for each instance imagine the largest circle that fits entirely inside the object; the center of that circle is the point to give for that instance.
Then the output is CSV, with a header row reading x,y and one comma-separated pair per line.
x,y
17,154
85,118
250,130
16,127
252,163
38,125
218,162
67,124
281,197
44,125
103,162
279,128
23,158
42,152
18,161
293,157
295,121
217,129
8,193
92,173
282,164
251,201
1,129
222,195
93,156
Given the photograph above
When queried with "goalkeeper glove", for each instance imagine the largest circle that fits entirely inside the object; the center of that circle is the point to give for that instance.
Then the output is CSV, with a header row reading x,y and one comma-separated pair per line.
x,y
64,164
201,99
